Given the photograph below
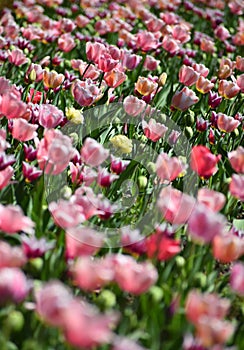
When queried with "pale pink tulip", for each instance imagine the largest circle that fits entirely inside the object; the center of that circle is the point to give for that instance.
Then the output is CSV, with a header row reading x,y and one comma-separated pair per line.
x,y
82,241
11,256
93,153
212,199
204,224
23,131
168,168
14,286
237,186
236,159
237,278
13,220
49,116
66,214
175,206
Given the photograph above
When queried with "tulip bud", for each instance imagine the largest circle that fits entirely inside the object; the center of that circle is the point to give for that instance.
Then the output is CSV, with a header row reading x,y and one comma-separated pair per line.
x,y
142,182
162,79
15,320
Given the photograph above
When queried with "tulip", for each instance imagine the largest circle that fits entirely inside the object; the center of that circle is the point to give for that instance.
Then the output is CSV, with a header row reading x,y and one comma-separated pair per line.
x,y
14,286
153,130
204,85
133,105
114,78
175,206
204,224
228,89
11,256
145,86
13,220
227,247
237,186
5,176
237,278
52,79
23,131
184,99
93,153
188,76
236,159
226,123
50,116
66,214
82,241
203,162
169,168
212,199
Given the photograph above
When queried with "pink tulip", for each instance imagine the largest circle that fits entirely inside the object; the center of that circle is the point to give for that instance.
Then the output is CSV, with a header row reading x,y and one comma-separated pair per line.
x,y
52,300
151,63
212,199
118,165
66,42
93,153
85,92
175,206
237,278
17,57
153,130
106,63
212,331
170,44
11,256
50,116
23,131
94,51
207,304
120,343
133,277
184,99
204,224
130,61
85,327
201,69
226,123
54,152
34,248
92,72
228,89
146,41
114,78
237,186
203,162
88,202
12,107
5,176
240,82
91,274
14,286
188,76
240,63
133,105
221,33
181,33
82,241
227,247
66,214
236,159
168,168
204,85
105,178
13,220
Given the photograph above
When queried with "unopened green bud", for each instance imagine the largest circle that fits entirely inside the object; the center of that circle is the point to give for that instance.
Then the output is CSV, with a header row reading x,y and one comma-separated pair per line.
x,y
157,293
151,167
180,261
142,181
188,132
15,320
107,298
32,75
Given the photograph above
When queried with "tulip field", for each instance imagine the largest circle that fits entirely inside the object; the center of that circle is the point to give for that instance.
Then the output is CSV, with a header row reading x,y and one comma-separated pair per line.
x,y
122,175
